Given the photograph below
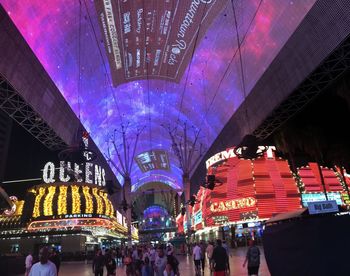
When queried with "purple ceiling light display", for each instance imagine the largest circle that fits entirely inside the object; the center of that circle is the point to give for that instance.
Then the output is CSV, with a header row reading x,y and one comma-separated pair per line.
x,y
206,91
155,211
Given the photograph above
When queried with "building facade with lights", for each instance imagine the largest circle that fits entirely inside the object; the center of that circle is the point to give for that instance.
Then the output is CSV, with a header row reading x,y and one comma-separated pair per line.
x,y
248,192
70,216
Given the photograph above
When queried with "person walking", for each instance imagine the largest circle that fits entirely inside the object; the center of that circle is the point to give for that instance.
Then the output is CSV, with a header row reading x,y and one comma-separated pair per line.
x,y
209,251
169,271
203,249
128,263
28,263
44,267
219,259
98,263
110,263
171,259
161,262
152,256
197,258
147,269
225,245
253,259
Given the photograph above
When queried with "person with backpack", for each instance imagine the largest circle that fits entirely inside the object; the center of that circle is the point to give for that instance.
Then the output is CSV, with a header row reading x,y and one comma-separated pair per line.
x,y
253,259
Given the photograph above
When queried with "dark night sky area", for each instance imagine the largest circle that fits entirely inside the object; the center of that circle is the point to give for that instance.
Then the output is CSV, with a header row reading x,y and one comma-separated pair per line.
x,y
26,158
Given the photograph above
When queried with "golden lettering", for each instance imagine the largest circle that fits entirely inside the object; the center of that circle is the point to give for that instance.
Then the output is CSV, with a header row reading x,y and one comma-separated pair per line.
x,y
232,204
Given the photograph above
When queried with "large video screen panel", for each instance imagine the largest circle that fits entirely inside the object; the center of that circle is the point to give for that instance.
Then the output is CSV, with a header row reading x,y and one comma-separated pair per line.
x,y
153,160
153,39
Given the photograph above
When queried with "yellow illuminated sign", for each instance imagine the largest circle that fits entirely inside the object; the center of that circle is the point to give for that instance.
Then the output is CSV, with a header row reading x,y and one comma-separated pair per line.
x,y
232,204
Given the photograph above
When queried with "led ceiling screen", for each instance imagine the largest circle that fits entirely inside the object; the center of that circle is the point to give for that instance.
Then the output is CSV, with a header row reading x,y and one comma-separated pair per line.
x,y
155,211
153,39
153,160
67,39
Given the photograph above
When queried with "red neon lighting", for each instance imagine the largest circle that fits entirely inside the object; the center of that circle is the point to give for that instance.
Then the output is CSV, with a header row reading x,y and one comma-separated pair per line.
x,y
311,178
268,181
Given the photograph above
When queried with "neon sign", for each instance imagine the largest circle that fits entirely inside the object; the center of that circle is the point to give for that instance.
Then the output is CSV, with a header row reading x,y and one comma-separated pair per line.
x,y
232,204
226,154
88,172
198,217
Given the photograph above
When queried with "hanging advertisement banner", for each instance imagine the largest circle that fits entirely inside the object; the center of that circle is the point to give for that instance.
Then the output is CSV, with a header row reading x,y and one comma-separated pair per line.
x,y
153,39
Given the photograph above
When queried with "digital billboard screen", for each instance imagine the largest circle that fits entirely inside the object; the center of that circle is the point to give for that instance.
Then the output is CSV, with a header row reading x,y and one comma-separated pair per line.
x,y
153,39
153,160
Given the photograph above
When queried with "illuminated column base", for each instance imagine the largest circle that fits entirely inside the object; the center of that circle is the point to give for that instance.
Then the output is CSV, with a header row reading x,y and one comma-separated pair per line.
x,y
187,188
127,187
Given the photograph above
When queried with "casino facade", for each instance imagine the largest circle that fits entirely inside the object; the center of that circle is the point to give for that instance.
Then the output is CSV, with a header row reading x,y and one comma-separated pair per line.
x,y
248,192
70,216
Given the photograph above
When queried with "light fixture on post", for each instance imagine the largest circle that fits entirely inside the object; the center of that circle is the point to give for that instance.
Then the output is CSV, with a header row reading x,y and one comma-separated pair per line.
x,y
188,151
212,181
125,168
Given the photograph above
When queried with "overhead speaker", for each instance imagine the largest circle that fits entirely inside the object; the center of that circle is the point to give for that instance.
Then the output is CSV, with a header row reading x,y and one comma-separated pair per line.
x,y
211,181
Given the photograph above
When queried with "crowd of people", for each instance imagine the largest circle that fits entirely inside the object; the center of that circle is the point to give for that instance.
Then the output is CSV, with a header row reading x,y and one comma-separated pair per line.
x,y
218,258
147,260
142,260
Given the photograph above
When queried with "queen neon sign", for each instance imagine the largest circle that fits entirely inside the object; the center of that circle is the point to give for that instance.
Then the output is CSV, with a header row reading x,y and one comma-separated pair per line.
x,y
233,204
67,171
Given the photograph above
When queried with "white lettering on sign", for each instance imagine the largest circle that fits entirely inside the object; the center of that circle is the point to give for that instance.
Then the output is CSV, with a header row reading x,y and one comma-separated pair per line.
x,y
127,24
49,172
63,168
88,173
226,154
78,171
232,204
92,174
138,58
113,33
321,207
185,25
139,20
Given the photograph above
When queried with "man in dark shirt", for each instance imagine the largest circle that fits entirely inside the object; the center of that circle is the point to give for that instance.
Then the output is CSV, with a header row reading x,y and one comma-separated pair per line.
x,y
98,263
219,259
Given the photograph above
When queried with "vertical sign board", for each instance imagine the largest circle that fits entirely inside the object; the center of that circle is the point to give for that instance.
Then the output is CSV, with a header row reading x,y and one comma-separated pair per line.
x,y
151,38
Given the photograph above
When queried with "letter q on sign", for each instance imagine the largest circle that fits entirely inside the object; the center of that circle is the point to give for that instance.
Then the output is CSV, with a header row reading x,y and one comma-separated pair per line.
x,y
49,172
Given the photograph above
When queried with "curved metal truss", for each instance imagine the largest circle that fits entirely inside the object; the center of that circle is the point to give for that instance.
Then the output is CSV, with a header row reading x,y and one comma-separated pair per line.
x,y
333,67
16,107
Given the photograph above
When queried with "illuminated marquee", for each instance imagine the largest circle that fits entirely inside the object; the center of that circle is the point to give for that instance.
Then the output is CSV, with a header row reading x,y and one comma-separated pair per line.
x,y
88,173
232,204
226,154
